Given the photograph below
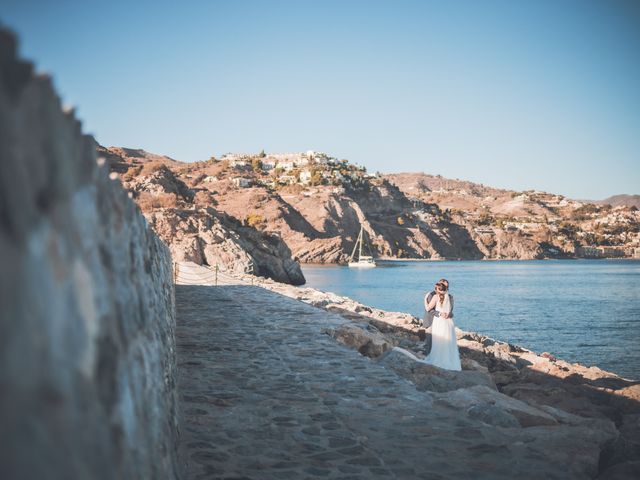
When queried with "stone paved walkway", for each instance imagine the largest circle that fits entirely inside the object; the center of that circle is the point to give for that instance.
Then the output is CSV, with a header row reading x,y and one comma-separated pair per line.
x,y
267,395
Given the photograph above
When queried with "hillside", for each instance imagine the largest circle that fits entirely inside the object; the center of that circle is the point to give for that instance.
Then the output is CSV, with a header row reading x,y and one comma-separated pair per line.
x,y
562,226
186,220
621,200
311,206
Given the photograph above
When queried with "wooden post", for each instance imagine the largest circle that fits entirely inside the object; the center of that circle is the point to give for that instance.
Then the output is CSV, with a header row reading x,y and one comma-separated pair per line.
x,y
216,277
175,272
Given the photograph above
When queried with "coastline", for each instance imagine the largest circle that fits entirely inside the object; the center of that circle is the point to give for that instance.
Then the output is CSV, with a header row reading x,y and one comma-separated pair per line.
x,y
437,260
331,301
514,314
352,309
573,411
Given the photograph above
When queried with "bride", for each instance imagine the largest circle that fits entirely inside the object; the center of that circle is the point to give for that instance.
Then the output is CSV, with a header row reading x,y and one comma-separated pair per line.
x,y
444,346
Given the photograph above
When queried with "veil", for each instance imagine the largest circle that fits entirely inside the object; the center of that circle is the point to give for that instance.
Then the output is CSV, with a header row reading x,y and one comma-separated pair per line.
x,y
446,305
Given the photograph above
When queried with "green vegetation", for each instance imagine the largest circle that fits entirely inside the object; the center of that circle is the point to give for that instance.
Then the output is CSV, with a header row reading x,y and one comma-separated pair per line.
x,y
254,220
256,165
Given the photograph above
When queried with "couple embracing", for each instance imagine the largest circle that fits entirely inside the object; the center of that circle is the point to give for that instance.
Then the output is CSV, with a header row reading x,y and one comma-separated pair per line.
x,y
438,305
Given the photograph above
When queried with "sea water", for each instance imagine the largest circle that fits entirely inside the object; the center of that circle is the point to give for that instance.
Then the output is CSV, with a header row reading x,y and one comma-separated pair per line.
x,y
584,311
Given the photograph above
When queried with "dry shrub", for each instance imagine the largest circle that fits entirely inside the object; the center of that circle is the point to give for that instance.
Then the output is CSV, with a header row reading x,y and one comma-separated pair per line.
x,y
131,173
145,201
168,200
294,189
204,198
148,201
152,167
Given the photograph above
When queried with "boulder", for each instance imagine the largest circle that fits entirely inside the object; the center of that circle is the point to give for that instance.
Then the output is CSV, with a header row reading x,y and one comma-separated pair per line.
x,y
492,415
501,352
632,392
432,378
505,377
479,398
473,350
626,448
553,392
364,338
529,358
471,364
577,447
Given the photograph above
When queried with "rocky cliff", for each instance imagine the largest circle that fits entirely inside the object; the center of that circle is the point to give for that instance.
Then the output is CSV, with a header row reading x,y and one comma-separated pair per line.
x,y
188,220
87,348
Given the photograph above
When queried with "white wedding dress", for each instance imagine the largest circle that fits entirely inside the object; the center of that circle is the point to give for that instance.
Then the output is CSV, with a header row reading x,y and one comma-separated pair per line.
x,y
444,345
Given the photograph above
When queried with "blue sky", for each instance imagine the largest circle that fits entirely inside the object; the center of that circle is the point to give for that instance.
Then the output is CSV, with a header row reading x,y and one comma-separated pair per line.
x,y
529,94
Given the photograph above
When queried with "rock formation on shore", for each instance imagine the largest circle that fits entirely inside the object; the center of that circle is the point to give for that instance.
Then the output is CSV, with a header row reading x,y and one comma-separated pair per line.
x,y
195,230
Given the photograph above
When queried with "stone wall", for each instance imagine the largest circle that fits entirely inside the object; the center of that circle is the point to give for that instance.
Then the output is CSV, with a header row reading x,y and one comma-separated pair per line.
x,y
87,352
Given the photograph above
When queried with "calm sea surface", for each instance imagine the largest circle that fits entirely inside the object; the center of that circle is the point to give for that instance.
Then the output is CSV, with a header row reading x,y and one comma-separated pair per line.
x,y
585,311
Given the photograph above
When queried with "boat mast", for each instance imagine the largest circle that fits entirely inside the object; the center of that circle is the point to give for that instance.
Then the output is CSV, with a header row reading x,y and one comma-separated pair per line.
x,y
356,246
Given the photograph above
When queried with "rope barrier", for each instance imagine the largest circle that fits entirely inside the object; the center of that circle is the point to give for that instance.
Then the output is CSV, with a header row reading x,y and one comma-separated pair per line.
x,y
210,276
197,279
195,276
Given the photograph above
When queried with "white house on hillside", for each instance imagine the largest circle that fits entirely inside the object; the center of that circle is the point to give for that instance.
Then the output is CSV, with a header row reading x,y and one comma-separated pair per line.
x,y
241,182
238,163
268,164
305,176
286,165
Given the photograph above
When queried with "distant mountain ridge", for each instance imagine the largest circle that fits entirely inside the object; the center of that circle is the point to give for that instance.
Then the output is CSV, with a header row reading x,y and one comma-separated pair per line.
x,y
624,200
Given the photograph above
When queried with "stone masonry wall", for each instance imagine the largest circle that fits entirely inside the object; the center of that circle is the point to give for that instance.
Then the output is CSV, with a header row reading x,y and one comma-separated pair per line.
x,y
87,352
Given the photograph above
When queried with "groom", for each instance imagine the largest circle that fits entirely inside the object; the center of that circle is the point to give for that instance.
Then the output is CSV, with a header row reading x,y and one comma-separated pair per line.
x,y
441,285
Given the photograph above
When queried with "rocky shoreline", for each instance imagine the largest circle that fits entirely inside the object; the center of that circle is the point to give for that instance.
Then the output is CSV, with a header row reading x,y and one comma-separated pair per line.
x,y
590,412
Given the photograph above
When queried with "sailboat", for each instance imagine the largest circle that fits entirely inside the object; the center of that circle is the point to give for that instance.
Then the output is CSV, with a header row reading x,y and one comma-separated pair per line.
x,y
364,261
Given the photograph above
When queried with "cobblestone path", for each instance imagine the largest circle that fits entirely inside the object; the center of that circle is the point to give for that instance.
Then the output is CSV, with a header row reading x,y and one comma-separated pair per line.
x,y
266,394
